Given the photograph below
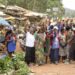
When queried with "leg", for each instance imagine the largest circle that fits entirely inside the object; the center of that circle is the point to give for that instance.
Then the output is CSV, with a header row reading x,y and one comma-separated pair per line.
x,y
27,55
56,55
52,56
33,54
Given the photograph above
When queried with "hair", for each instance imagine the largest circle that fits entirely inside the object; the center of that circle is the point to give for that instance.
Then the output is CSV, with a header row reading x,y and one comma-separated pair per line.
x,y
62,30
9,32
68,28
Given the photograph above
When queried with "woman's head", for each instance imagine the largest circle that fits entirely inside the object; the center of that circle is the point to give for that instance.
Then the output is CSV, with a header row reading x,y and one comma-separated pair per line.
x,y
41,30
31,30
55,29
9,32
1,27
62,31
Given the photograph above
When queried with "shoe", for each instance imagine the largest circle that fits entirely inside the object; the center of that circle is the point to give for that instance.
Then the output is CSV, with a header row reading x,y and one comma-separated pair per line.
x,y
56,62
67,62
72,62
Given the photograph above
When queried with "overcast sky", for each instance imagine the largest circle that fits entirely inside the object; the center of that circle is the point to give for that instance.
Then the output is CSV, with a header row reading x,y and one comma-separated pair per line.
x,y
69,4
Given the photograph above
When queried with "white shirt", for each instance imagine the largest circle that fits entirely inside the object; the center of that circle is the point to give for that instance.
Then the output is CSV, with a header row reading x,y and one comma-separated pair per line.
x,y
30,40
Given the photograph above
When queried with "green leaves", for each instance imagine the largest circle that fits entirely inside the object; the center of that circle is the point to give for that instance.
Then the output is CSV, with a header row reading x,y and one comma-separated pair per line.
x,y
20,67
5,65
23,69
16,64
36,5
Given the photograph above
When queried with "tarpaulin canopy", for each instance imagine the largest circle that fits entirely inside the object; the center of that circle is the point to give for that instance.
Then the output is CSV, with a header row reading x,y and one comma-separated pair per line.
x,y
4,22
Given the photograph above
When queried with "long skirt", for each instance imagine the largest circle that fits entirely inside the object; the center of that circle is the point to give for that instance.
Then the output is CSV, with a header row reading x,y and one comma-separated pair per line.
x,y
62,51
72,52
47,47
30,55
54,55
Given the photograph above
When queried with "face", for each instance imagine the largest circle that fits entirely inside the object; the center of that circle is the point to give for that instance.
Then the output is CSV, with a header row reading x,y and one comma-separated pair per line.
x,y
55,30
62,32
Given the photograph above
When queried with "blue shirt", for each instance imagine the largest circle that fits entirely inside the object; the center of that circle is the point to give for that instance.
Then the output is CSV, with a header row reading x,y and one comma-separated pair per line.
x,y
55,43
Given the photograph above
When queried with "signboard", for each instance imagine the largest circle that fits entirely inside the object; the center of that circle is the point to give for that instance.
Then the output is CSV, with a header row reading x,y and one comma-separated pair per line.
x,y
55,9
48,10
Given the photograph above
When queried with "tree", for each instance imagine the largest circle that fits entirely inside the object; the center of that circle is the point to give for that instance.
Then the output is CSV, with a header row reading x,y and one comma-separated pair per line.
x,y
36,5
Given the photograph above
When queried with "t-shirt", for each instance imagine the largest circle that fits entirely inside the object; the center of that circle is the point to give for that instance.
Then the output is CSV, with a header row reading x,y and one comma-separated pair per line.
x,y
30,40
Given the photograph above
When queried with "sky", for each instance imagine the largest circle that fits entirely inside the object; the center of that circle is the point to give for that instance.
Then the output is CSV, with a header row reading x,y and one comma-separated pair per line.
x,y
69,4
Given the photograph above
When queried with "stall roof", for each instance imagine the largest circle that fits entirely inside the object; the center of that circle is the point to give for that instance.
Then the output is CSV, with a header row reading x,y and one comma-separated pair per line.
x,y
2,6
35,14
10,18
16,8
2,13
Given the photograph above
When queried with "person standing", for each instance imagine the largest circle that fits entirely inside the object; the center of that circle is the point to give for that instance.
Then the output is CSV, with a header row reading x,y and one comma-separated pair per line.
x,y
69,36
11,42
62,51
40,39
47,46
54,52
30,47
72,47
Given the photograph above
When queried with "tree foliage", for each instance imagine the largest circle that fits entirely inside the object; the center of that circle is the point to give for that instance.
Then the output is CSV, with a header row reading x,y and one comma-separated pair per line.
x,y
35,5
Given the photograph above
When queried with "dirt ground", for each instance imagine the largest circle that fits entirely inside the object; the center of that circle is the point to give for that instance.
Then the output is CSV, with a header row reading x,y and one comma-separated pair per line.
x,y
51,69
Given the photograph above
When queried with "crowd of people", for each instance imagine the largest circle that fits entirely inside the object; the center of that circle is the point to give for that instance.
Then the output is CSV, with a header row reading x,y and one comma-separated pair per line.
x,y
53,41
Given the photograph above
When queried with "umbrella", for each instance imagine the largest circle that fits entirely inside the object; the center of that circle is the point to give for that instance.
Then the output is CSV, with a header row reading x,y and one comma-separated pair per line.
x,y
4,22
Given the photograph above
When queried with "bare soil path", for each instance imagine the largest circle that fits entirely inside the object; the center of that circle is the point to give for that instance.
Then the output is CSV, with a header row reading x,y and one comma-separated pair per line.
x,y
51,69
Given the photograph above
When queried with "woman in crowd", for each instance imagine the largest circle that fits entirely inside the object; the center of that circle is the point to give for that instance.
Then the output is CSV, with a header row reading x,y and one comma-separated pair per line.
x,y
62,51
47,46
40,39
72,47
69,35
30,47
11,42
54,52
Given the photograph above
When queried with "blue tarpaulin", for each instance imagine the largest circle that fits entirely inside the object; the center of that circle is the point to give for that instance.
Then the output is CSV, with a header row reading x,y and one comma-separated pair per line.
x,y
4,22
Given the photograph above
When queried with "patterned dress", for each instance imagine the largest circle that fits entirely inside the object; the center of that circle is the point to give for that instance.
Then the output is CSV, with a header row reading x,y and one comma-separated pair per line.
x,y
47,44
40,49
62,50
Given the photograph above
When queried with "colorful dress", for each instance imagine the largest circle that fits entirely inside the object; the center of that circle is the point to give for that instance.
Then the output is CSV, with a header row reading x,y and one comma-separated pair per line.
x,y
54,52
62,51
40,49
47,44
11,43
